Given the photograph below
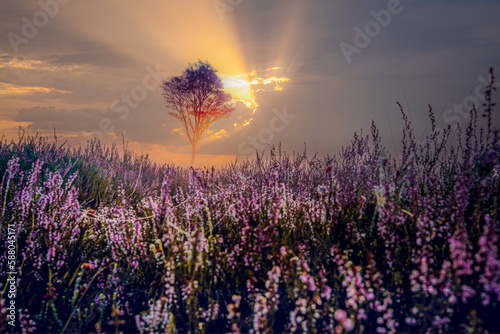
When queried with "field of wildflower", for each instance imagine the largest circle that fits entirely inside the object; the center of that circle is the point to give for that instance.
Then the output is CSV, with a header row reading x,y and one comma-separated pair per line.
x,y
358,242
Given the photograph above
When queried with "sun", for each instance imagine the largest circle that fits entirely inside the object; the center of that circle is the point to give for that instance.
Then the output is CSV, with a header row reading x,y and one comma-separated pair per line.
x,y
244,86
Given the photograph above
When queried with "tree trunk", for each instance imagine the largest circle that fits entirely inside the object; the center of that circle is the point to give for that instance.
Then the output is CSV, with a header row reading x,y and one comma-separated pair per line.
x,y
193,145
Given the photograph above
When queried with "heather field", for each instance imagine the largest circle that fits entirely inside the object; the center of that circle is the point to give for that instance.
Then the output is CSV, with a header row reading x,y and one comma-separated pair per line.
x,y
359,242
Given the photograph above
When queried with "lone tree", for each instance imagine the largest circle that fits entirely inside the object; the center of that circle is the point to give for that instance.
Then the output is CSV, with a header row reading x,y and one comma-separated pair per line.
x,y
197,100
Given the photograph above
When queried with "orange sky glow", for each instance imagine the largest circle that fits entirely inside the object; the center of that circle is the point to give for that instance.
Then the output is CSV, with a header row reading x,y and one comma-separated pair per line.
x,y
163,35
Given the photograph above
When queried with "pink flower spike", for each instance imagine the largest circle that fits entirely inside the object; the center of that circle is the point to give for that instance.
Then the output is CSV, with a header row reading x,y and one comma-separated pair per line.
x,y
340,315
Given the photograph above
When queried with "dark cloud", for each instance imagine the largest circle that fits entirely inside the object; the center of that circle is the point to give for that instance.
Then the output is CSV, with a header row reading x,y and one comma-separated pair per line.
x,y
47,118
145,123
99,57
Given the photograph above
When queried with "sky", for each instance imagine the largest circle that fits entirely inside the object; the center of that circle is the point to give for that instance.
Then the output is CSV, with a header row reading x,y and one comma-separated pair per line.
x,y
93,69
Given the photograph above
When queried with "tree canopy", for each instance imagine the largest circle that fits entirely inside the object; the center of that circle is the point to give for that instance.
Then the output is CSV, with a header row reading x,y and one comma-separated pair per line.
x,y
197,99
